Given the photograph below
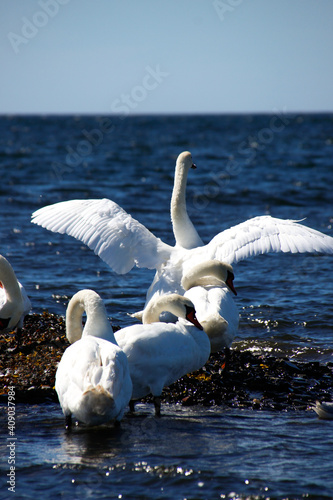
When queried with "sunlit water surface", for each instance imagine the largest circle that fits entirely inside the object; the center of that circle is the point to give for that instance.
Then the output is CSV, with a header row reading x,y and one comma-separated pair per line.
x,y
187,453
245,167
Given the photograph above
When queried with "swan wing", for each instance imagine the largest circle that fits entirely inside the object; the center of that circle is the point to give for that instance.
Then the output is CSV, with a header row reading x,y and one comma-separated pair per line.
x,y
267,234
106,228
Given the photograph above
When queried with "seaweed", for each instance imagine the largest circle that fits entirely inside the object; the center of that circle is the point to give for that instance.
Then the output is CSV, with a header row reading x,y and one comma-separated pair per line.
x,y
232,378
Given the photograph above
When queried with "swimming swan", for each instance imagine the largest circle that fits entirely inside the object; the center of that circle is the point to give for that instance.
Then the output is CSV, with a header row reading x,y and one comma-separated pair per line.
x,y
92,380
122,242
14,302
324,410
160,353
209,285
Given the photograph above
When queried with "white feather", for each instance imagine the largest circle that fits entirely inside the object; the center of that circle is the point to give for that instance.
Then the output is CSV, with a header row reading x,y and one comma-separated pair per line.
x,y
14,301
92,381
160,353
123,242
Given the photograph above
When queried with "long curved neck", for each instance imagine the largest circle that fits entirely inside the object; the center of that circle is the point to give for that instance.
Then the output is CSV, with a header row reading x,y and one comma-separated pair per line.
x,y
165,303
207,273
151,313
74,315
185,233
9,282
97,324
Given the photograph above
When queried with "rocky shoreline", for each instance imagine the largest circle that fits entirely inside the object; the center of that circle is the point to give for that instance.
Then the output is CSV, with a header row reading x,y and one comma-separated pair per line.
x,y
233,378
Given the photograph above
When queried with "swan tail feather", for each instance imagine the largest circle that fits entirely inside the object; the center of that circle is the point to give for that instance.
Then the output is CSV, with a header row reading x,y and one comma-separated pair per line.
x,y
96,406
137,315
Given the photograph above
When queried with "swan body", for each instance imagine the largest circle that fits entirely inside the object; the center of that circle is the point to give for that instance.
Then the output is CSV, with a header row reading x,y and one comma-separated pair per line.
x,y
160,353
92,381
324,410
14,302
209,286
122,242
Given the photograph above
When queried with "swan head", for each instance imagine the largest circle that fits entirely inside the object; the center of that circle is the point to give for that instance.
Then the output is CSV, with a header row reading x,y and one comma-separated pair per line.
x,y
210,272
176,304
216,329
185,161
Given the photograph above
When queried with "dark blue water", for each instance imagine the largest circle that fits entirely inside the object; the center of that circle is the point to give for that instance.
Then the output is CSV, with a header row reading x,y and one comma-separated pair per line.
x,y
188,453
280,165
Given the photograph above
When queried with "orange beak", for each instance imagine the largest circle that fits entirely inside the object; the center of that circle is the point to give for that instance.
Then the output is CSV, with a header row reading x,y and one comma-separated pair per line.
x,y
230,283
191,317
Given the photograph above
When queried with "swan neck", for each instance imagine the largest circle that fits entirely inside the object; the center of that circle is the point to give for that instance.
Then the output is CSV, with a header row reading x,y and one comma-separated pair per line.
x,y
170,302
185,233
178,198
9,282
97,324
74,315
205,274
151,313
165,303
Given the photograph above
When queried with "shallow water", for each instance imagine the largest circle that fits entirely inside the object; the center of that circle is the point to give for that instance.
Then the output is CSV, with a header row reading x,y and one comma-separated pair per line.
x,y
187,453
246,166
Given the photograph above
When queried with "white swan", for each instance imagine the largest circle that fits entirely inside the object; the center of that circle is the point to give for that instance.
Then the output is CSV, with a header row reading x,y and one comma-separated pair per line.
x,y
209,285
92,380
14,302
122,242
160,353
324,410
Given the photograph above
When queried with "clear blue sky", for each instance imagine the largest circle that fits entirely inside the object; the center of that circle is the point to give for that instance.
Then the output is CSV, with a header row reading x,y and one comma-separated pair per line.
x,y
175,56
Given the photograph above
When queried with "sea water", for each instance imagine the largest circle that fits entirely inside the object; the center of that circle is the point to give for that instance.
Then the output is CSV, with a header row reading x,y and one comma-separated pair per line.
x,y
279,165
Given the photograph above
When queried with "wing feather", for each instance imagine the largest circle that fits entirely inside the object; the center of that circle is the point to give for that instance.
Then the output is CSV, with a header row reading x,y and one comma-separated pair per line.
x,y
266,234
106,228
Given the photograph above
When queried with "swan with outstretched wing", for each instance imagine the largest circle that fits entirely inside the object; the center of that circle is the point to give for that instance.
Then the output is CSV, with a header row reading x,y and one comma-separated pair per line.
x,y
122,242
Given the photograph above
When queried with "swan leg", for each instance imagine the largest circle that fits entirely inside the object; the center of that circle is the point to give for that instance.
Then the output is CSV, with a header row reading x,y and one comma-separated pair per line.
x,y
132,406
157,404
68,421
227,355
